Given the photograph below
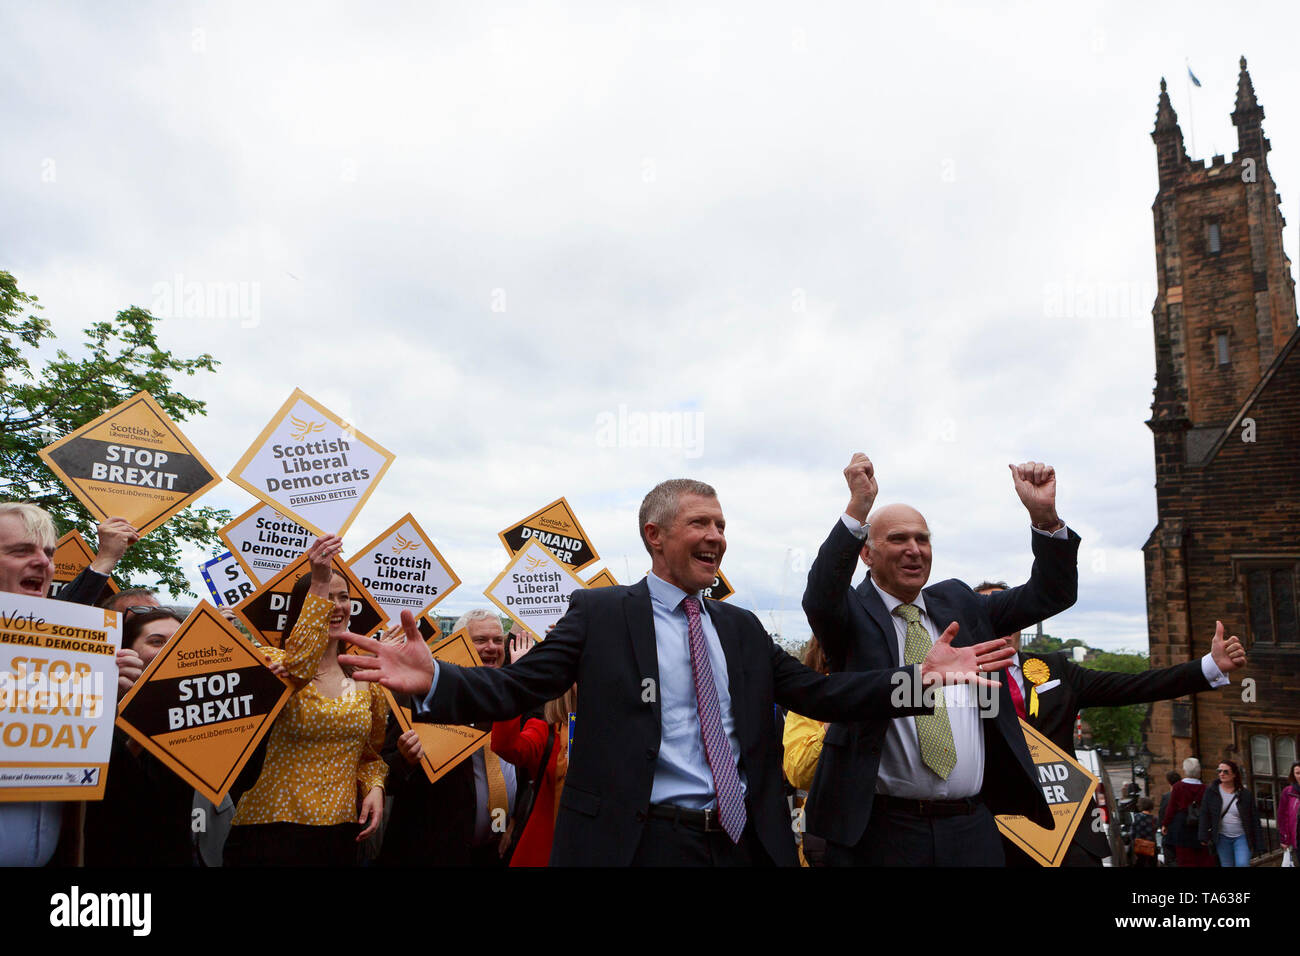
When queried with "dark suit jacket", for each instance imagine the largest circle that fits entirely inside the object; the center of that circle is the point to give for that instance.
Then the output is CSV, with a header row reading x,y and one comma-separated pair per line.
x,y
606,642
857,634
1081,687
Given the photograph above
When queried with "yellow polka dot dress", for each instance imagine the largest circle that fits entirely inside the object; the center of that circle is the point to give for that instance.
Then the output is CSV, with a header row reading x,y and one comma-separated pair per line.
x,y
323,753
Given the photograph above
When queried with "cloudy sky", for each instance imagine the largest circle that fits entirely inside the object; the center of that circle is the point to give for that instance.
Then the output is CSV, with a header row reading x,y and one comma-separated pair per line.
x,y
488,234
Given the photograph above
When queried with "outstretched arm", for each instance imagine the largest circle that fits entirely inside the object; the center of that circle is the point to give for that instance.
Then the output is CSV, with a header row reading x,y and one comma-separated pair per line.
x,y
1097,688
465,695
889,692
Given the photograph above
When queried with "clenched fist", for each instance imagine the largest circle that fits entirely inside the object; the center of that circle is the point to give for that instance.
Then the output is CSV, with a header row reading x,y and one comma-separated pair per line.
x,y
861,477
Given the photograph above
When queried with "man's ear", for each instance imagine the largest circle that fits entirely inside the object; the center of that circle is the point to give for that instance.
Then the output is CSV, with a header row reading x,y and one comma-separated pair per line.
x,y
865,554
654,537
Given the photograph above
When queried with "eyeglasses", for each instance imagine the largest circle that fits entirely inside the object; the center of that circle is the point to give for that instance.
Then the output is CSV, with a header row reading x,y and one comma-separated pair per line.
x,y
1224,770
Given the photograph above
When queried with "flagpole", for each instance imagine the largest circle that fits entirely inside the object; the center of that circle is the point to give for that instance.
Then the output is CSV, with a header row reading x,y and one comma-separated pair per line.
x,y
1191,111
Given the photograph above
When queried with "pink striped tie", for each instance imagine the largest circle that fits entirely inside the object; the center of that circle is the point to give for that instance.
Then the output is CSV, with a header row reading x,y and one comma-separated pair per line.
x,y
726,782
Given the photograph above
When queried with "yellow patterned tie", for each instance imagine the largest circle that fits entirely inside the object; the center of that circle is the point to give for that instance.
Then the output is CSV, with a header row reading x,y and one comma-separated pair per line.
x,y
933,730
498,795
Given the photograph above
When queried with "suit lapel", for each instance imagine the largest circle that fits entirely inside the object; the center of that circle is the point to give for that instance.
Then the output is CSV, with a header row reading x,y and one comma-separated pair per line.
x,y
641,629
941,615
866,592
729,638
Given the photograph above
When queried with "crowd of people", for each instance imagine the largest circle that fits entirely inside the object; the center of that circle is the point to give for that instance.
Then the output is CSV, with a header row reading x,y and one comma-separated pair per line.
x,y
900,732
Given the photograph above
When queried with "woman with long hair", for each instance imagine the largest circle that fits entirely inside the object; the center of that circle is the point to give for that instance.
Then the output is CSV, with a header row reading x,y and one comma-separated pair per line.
x,y
1288,809
526,747
321,786
1229,822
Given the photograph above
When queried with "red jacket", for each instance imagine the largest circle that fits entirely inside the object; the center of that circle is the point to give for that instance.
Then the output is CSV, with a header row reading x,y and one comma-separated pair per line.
x,y
524,749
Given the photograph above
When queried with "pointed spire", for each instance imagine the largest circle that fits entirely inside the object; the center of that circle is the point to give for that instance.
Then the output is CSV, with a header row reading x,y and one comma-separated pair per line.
x,y
1245,91
1248,117
1166,118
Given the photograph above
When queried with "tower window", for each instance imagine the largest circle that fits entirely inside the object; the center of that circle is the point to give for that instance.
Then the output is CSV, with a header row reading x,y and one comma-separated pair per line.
x,y
1216,245
1221,347
1271,594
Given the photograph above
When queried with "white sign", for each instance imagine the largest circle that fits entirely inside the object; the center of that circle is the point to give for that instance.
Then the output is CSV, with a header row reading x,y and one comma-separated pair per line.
x,y
265,542
312,466
226,580
58,696
534,588
403,571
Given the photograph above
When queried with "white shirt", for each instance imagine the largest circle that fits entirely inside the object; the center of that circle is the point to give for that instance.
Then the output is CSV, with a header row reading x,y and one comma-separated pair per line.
x,y
902,772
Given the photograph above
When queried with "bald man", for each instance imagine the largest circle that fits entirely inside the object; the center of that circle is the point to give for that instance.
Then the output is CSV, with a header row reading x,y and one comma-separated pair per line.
x,y
923,791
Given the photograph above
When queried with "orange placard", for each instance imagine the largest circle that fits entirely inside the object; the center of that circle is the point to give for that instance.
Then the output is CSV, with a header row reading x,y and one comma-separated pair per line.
x,y
557,527
445,745
1068,788
131,462
58,681
72,556
312,466
534,588
601,579
403,571
204,703
264,541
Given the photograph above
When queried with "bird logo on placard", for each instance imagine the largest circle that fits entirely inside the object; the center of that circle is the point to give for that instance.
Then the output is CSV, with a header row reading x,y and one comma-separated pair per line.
x,y
404,545
535,561
302,429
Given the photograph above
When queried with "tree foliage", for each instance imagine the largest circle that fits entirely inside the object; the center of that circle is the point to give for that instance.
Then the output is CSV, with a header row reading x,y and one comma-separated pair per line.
x,y
1114,727
40,405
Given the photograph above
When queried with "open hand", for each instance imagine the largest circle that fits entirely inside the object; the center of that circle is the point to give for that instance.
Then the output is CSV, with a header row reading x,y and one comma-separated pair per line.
x,y
1228,655
521,642
321,556
405,668
946,664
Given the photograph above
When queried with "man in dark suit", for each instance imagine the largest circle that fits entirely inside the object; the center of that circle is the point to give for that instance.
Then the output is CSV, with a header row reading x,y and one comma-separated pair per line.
x,y
675,759
1049,694
897,791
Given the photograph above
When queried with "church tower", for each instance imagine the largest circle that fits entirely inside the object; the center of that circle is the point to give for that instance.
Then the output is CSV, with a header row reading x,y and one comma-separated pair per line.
x,y
1225,299
1226,426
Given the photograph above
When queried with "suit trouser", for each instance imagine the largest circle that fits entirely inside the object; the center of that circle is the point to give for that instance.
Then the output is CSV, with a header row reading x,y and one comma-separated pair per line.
x,y
902,838
665,843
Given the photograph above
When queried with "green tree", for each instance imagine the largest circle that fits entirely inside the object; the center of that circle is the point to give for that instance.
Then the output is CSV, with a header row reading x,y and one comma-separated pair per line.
x,y
1114,727
38,406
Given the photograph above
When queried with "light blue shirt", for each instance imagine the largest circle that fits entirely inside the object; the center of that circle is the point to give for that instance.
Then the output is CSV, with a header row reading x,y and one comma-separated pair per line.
x,y
682,774
29,832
